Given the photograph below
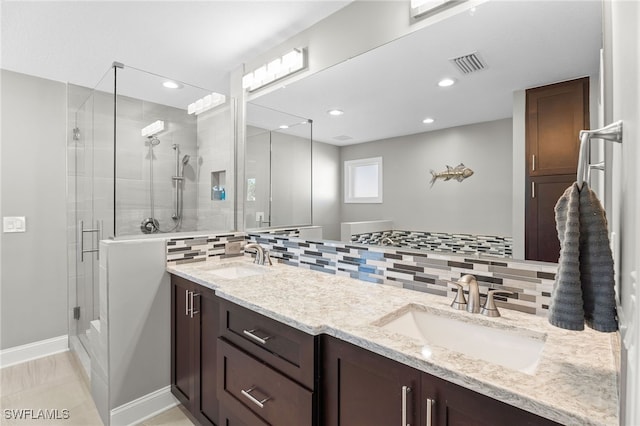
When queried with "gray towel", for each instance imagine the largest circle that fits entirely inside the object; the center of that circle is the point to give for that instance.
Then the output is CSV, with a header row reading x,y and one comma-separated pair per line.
x,y
584,287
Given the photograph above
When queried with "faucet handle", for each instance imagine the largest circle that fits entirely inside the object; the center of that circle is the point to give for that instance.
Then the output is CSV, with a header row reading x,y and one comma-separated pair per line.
x,y
459,302
266,259
490,309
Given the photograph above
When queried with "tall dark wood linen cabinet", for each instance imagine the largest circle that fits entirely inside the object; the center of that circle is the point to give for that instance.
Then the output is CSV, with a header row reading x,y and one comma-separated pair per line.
x,y
555,114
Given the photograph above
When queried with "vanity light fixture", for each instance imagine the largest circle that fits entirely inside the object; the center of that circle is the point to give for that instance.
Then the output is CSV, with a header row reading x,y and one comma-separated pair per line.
x,y
153,129
206,103
169,84
446,82
428,120
335,112
289,63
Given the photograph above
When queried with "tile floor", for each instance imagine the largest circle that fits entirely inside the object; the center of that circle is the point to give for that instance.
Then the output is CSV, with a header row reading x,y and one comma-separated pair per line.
x,y
57,383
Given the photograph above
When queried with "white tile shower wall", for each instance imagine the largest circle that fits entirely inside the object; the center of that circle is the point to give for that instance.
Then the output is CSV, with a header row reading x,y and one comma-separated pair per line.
x,y
215,154
530,282
134,166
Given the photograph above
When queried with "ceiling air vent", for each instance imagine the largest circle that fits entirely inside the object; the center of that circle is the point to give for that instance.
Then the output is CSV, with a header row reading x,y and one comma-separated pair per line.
x,y
342,138
468,63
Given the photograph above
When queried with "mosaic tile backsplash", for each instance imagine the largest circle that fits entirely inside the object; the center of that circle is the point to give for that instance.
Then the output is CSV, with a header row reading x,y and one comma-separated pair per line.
x,y
439,242
530,282
200,248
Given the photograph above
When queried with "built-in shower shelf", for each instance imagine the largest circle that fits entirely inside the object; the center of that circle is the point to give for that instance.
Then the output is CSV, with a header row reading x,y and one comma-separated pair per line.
x,y
218,185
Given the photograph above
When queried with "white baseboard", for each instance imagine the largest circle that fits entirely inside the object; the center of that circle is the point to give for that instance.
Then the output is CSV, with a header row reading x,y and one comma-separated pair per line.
x,y
23,353
143,408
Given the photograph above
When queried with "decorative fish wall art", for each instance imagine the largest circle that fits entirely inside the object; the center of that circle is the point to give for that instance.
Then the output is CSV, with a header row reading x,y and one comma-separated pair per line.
x,y
459,173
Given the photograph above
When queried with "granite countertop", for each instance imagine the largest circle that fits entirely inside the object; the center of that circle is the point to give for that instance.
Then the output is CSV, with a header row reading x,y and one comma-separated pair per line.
x,y
574,383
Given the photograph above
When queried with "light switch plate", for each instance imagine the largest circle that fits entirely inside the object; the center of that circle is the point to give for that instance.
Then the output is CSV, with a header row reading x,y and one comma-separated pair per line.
x,y
14,224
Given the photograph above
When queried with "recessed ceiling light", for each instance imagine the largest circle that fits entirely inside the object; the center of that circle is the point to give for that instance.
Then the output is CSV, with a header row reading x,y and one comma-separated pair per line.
x,y
446,82
172,85
335,112
284,126
428,120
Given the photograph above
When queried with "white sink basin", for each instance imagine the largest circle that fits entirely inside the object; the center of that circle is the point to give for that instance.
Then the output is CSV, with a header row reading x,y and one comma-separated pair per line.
x,y
235,271
512,348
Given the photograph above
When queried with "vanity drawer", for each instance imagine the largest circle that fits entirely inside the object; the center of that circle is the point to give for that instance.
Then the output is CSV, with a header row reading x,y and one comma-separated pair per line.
x,y
245,383
286,349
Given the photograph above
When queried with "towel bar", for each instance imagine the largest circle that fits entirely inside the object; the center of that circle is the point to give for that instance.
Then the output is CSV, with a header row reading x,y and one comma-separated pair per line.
x,y
612,132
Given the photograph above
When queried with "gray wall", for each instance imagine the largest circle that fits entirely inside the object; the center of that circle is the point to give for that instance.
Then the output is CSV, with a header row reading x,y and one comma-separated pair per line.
x,y
482,204
33,169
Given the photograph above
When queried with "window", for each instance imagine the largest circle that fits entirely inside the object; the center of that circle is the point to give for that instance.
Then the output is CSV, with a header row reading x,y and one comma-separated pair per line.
x,y
363,180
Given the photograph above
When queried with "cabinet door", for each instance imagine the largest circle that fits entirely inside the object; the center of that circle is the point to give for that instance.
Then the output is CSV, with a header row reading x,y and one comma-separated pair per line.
x,y
206,314
363,388
541,236
453,405
555,115
182,336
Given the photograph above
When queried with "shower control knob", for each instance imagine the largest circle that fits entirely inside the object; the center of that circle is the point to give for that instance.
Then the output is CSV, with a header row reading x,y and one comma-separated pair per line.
x,y
149,225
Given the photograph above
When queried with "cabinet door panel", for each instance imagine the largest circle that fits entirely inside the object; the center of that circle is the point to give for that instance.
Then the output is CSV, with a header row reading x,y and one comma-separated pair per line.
x,y
541,236
182,374
363,388
458,406
555,115
207,337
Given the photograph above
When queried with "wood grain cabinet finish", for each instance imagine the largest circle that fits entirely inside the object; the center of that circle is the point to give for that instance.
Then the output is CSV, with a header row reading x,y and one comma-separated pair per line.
x,y
286,349
194,333
247,384
555,115
363,388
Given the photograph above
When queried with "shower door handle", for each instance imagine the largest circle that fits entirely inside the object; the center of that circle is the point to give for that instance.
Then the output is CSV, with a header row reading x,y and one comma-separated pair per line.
x,y
81,231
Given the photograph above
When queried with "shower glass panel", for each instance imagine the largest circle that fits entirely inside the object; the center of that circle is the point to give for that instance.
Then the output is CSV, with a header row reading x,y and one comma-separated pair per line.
x,y
143,159
165,178
278,169
90,173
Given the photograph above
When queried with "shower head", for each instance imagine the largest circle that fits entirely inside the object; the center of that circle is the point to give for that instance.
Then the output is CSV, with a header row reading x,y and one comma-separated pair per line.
x,y
153,141
185,160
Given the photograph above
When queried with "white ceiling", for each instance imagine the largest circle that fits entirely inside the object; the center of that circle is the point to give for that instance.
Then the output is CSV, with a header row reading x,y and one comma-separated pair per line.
x,y
197,42
388,91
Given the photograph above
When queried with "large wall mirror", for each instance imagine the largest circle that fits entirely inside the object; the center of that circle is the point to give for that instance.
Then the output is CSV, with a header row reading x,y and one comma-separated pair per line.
x,y
387,94
277,169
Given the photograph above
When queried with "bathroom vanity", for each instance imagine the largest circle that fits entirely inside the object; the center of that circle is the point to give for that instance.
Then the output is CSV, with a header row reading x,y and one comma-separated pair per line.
x,y
298,347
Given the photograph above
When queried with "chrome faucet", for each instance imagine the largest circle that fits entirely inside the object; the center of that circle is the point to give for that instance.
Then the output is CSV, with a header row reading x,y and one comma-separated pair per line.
x,y
387,241
489,308
473,304
262,255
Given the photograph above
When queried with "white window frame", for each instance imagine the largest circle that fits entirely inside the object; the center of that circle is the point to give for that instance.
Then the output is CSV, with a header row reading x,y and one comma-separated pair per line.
x,y
350,167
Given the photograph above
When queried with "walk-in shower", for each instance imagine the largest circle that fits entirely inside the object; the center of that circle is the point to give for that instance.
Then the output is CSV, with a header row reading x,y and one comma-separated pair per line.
x,y
124,184
151,225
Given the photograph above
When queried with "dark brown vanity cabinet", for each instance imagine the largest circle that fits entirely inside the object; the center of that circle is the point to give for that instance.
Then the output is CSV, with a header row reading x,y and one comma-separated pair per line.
x,y
267,370
194,332
363,388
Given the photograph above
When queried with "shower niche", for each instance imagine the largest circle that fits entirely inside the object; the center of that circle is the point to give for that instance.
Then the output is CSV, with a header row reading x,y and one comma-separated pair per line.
x,y
218,186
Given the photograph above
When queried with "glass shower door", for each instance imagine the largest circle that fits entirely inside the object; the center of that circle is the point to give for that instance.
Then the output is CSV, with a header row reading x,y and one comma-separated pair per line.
x,y
91,198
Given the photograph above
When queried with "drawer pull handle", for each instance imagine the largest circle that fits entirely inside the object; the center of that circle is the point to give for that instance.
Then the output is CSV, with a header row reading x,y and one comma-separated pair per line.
x,y
430,403
405,391
251,398
262,340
